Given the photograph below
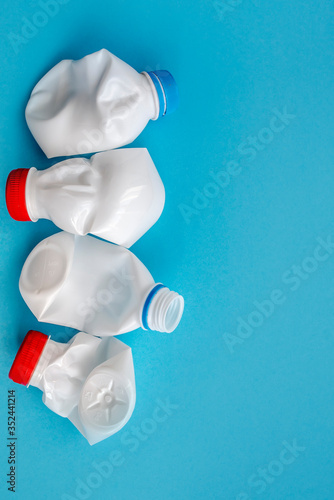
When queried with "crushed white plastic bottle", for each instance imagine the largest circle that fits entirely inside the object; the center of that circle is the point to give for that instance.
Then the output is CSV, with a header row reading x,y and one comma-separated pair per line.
x,y
96,103
96,287
116,195
89,380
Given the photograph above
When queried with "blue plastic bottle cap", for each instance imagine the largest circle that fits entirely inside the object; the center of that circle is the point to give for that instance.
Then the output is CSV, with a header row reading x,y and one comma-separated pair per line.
x,y
167,91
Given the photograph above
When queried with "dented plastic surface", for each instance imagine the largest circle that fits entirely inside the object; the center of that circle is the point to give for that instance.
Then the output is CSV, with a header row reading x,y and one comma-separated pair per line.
x,y
116,195
96,103
96,287
90,381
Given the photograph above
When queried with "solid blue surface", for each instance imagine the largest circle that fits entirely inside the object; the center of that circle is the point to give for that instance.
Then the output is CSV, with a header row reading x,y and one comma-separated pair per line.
x,y
238,402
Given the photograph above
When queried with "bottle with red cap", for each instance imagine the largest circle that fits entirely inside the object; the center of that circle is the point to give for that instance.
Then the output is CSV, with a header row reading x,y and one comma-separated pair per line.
x,y
88,380
116,195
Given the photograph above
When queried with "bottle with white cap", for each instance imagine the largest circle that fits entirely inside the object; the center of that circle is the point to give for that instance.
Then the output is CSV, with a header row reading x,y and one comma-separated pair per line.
x,y
94,286
96,103
116,195
88,380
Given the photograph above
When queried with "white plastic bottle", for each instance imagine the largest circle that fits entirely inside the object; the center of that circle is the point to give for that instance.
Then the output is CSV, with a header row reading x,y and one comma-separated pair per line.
x,y
88,380
116,195
96,103
96,287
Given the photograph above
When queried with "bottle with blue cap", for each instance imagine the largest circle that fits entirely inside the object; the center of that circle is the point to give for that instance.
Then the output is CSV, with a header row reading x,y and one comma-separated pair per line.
x,y
96,103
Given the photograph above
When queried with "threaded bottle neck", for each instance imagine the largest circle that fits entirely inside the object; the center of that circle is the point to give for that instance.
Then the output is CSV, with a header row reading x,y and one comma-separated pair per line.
x,y
162,310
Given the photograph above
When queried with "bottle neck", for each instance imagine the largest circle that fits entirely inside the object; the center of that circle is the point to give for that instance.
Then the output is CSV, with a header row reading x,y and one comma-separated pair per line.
x,y
149,86
51,351
31,195
162,309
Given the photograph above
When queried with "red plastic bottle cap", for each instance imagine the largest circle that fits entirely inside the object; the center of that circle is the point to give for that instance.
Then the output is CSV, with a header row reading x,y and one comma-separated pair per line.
x,y
16,194
27,357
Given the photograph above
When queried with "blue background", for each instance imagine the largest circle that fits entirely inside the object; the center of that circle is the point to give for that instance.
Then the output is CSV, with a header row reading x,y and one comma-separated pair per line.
x,y
232,411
